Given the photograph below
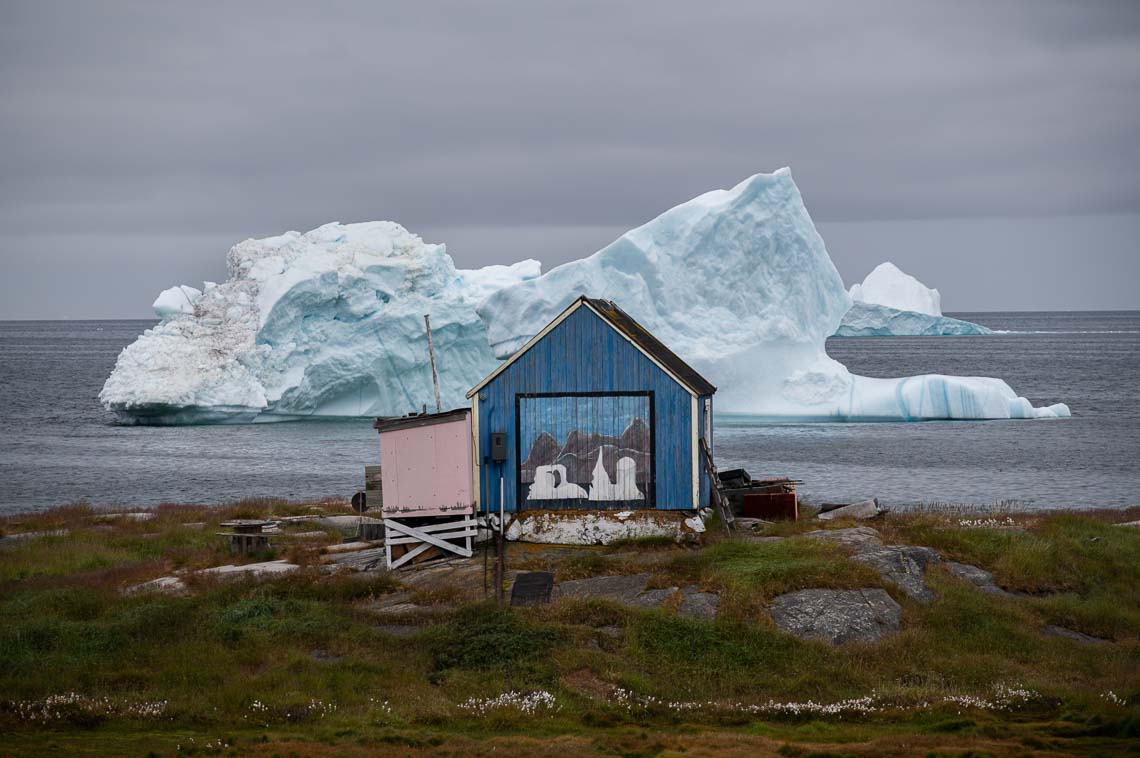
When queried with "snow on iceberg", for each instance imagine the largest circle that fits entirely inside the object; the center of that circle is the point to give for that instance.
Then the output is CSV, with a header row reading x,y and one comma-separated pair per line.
x,y
890,302
327,323
739,283
868,320
176,300
889,285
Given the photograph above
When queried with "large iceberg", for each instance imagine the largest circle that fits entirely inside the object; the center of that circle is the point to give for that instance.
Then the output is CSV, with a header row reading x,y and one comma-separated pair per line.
x,y
330,323
739,283
890,302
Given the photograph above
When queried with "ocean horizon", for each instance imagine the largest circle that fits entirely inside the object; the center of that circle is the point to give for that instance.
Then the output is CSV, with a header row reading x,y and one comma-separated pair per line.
x,y
60,446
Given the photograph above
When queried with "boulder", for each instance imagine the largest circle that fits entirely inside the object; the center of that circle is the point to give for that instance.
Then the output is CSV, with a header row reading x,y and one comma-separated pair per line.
x,y
837,616
864,509
903,566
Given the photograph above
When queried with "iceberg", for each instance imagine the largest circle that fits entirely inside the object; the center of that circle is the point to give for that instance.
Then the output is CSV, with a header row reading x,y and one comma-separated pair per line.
x,y
890,302
869,320
327,323
739,283
889,285
330,323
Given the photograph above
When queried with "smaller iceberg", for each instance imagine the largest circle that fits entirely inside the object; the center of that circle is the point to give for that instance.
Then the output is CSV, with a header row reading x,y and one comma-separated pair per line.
x,y
892,303
889,285
868,320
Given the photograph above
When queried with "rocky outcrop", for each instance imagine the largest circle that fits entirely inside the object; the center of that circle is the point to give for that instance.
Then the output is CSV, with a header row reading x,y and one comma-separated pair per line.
x,y
978,577
903,566
858,539
698,605
1072,634
631,591
837,616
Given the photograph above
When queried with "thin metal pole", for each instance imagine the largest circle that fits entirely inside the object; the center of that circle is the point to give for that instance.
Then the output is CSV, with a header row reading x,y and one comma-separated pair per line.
x,y
431,355
500,568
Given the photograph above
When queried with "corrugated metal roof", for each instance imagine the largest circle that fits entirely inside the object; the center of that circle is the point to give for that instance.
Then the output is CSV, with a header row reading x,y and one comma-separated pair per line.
x,y
625,325
654,347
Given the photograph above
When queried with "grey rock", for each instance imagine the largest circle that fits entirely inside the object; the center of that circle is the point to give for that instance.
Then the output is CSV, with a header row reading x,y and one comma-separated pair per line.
x,y
858,538
398,630
621,589
904,567
351,525
976,576
169,585
653,598
372,559
1072,634
11,540
837,616
252,569
861,510
613,632
698,605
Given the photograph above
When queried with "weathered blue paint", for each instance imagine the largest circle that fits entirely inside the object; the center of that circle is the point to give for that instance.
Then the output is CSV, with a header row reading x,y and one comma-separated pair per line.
x,y
704,418
585,354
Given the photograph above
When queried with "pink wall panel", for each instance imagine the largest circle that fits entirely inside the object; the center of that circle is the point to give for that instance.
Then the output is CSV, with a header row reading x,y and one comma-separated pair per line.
x,y
427,469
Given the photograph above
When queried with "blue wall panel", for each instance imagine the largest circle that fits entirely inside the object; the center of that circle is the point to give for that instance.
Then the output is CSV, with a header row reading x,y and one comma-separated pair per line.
x,y
585,354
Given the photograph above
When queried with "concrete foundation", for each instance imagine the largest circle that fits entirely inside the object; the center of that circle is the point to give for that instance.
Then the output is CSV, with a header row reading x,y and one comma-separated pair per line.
x,y
601,527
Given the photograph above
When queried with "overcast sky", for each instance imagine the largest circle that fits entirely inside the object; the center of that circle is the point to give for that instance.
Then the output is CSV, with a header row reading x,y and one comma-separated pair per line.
x,y
991,148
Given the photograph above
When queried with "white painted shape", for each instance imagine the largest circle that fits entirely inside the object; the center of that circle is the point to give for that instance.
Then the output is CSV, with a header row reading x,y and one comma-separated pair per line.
x,y
544,487
625,488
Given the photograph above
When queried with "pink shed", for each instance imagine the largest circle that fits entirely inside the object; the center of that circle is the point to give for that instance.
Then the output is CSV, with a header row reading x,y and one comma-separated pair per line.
x,y
426,464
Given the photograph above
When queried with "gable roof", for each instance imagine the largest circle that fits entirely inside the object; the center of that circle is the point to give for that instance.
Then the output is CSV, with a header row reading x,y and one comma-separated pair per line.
x,y
625,325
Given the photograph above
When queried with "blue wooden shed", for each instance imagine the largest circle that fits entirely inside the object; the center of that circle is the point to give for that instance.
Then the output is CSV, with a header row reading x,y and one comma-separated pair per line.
x,y
593,413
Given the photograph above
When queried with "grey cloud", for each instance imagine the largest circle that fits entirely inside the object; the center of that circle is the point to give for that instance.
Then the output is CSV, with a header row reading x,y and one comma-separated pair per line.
x,y
228,120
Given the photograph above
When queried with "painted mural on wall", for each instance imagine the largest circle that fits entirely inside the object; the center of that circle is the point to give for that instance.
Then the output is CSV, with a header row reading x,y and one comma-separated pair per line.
x,y
586,451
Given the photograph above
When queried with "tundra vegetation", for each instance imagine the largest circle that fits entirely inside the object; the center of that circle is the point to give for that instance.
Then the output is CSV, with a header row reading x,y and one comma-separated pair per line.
x,y
301,663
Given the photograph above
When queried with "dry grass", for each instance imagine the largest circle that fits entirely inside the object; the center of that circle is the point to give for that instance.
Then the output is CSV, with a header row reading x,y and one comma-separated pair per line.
x,y
296,661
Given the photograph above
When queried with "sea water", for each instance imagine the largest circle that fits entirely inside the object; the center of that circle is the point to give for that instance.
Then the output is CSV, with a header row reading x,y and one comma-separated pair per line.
x,y
57,444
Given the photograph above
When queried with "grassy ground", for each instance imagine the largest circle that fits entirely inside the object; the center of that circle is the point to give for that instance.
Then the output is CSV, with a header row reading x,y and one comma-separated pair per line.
x,y
299,665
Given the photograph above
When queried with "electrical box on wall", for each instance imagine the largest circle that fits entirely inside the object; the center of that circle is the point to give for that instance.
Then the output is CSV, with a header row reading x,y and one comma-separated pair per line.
x,y
498,447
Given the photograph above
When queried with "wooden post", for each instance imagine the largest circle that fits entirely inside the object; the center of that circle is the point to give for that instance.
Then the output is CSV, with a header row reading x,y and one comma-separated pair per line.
x,y
431,355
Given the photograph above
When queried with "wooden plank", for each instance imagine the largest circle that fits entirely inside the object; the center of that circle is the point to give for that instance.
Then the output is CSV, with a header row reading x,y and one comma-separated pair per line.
x,y
429,538
442,526
406,556
405,540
